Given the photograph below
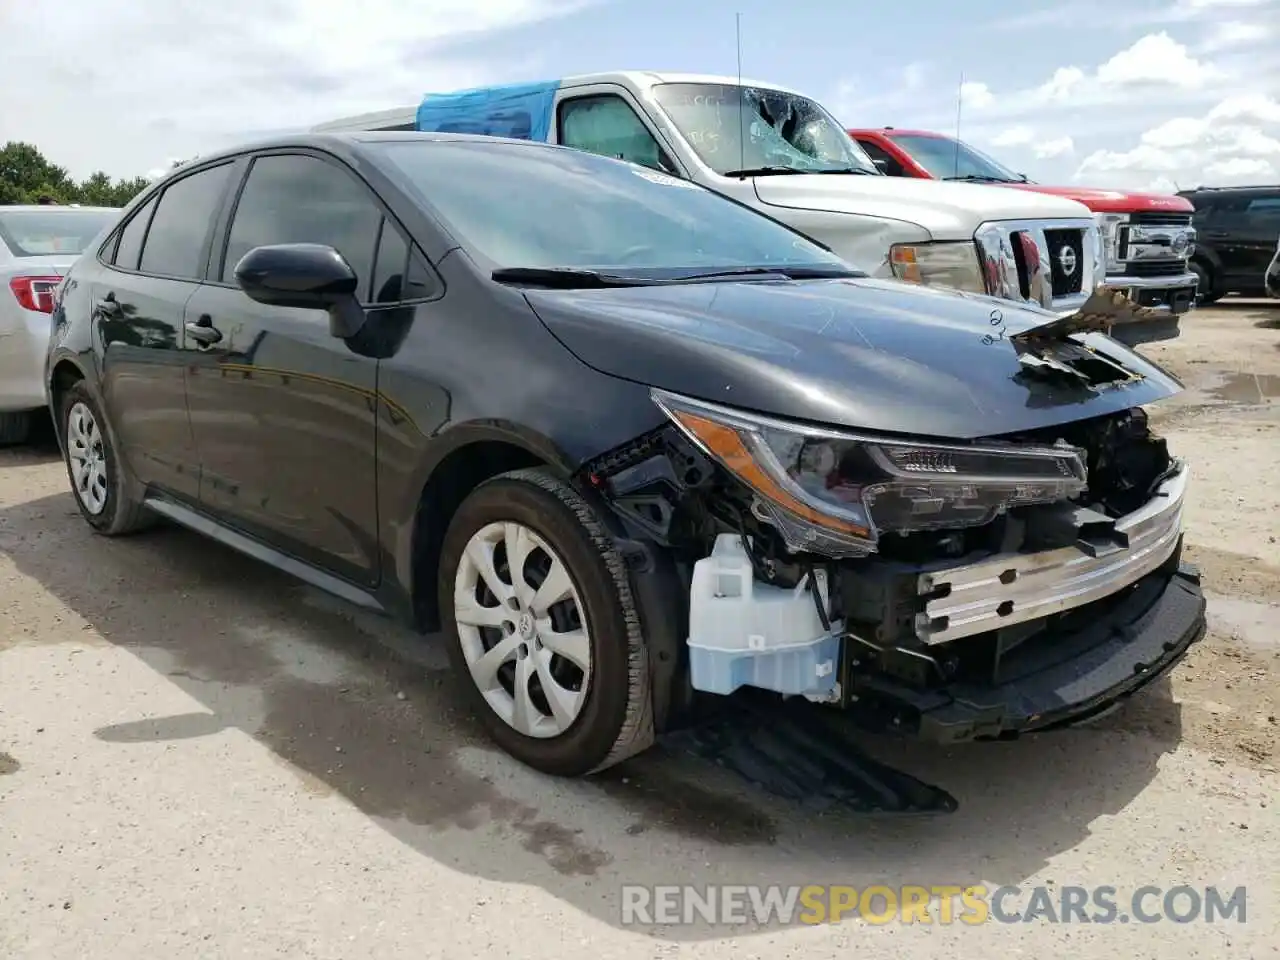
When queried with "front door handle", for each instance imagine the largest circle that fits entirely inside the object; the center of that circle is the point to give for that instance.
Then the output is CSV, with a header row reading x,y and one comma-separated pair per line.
x,y
203,331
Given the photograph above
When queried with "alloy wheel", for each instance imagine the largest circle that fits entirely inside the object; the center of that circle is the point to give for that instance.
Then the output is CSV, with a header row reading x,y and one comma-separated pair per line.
x,y
87,458
522,629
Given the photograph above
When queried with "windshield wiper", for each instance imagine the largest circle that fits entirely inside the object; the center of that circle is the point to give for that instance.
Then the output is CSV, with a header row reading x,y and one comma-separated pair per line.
x,y
763,172
784,273
574,278
564,278
976,178
783,171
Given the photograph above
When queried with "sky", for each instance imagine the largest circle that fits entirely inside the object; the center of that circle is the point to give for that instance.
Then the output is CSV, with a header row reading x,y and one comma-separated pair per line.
x,y
1159,94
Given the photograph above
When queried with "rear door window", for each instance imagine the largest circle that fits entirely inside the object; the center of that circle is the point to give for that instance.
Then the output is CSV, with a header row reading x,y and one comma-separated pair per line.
x,y
177,241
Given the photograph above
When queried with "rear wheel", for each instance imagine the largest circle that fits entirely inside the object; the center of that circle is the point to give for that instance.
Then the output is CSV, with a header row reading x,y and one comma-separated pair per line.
x,y
94,467
542,626
15,428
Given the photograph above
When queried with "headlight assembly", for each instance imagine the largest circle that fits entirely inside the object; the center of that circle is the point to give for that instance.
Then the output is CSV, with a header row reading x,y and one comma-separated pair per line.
x,y
953,264
833,492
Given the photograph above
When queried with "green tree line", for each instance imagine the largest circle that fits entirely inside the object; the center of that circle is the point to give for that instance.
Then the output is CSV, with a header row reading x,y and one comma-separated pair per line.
x,y
26,176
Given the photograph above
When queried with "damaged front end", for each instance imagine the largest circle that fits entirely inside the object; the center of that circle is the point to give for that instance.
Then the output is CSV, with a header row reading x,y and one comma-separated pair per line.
x,y
946,591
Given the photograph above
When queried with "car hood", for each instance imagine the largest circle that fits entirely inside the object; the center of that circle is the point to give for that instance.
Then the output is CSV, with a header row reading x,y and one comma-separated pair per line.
x,y
1101,200
878,355
949,211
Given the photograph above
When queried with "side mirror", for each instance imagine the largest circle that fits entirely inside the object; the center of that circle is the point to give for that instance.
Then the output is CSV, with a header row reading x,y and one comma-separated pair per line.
x,y
307,275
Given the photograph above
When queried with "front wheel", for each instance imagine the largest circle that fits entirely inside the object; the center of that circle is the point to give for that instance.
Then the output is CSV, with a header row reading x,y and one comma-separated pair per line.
x,y
543,628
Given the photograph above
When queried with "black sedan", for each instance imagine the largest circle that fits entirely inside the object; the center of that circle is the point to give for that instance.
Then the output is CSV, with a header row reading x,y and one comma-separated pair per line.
x,y
624,441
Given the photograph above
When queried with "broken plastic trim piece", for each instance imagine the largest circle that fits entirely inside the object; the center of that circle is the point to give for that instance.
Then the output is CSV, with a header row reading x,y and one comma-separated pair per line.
x,y
1046,350
791,750
1106,307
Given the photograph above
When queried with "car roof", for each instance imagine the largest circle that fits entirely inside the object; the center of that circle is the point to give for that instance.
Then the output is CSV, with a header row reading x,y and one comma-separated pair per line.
x,y
642,79
1243,188
46,207
901,131
349,143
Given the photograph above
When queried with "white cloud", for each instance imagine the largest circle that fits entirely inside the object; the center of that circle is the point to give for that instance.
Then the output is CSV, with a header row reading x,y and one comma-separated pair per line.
x,y
1061,86
1014,137
118,86
1236,141
1233,33
1155,59
1218,4
977,95
1057,147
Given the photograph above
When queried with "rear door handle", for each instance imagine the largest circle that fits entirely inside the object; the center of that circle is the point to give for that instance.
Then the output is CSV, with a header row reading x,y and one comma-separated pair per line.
x,y
203,331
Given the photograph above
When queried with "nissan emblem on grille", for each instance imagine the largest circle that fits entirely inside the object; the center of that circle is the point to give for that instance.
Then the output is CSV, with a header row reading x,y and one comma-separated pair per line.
x,y
1067,260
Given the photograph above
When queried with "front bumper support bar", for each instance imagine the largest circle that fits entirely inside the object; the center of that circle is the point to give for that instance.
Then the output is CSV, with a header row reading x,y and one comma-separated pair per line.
x,y
1013,588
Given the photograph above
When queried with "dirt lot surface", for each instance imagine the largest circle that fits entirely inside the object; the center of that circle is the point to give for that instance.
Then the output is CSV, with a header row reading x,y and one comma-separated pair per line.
x,y
202,758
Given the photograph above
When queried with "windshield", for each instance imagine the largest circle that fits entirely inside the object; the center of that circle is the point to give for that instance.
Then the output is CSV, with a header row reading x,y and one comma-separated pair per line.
x,y
949,159
525,205
52,232
734,128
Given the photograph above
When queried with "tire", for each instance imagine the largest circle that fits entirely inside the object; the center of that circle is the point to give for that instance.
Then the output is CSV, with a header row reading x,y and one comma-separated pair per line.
x,y
1205,292
15,428
614,713
83,428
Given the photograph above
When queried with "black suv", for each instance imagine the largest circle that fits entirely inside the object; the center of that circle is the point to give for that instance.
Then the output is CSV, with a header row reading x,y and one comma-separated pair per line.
x,y
623,440
1237,229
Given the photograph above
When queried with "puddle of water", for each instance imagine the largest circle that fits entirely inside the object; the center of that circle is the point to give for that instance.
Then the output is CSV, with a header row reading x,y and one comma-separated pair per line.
x,y
1250,388
1255,623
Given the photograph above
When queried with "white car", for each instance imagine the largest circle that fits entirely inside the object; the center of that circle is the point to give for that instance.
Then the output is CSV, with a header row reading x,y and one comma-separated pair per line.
x,y
1271,281
37,246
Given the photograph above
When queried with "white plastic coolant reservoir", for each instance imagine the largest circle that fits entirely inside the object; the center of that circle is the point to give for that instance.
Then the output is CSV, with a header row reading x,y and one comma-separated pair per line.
x,y
746,633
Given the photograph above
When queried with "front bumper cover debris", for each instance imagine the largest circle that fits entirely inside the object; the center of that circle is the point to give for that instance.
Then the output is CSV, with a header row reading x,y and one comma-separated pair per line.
x,y
1071,678
810,753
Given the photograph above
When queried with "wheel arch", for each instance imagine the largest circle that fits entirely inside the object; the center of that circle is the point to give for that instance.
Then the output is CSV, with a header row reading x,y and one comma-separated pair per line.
x,y
468,455
64,373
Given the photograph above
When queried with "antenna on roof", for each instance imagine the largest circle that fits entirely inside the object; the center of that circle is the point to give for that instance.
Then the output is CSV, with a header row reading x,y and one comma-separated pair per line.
x,y
955,172
742,136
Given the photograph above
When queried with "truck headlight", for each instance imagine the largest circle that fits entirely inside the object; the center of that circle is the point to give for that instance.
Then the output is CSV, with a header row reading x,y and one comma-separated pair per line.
x,y
952,264
823,487
1109,229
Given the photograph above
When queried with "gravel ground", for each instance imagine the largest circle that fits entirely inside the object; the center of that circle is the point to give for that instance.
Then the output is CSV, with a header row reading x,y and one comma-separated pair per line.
x,y
202,758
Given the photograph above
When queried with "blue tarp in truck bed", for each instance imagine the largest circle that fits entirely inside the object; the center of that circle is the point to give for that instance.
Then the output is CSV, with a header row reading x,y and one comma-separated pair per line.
x,y
522,111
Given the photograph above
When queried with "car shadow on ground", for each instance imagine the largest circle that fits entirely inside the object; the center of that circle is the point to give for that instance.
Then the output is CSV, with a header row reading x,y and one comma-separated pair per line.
x,y
365,711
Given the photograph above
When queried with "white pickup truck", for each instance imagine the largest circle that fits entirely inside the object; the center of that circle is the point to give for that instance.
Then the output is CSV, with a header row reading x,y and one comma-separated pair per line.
x,y
787,156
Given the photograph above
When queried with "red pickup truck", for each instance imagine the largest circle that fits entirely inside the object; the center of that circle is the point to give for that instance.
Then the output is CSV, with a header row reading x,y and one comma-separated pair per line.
x,y
1148,236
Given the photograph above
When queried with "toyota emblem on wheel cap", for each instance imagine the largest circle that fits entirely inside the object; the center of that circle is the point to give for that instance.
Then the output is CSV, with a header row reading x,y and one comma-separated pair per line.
x,y
1067,260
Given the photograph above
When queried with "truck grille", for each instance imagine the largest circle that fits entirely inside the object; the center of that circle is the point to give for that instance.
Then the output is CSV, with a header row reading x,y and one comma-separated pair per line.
x,y
1156,268
1066,261
1054,264
1154,238
1153,219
